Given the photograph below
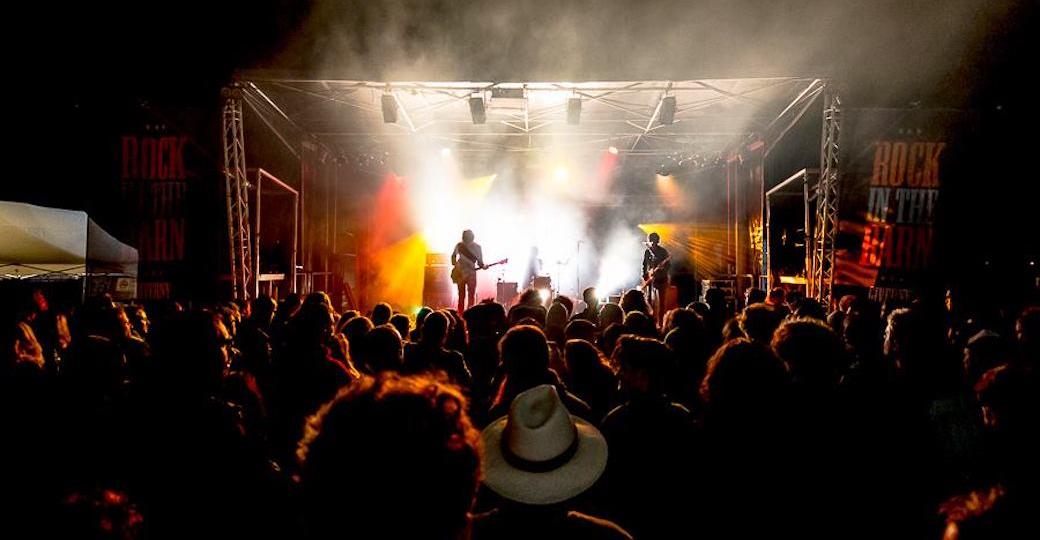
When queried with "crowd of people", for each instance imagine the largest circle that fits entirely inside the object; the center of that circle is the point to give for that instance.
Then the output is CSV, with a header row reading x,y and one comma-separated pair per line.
x,y
560,419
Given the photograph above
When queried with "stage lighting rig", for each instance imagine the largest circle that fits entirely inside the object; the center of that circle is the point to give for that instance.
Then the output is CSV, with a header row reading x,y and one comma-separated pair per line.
x,y
574,111
669,165
498,92
667,115
687,161
477,111
389,109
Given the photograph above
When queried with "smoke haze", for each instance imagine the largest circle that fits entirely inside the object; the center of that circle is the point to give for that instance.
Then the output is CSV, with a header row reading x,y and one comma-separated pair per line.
x,y
882,49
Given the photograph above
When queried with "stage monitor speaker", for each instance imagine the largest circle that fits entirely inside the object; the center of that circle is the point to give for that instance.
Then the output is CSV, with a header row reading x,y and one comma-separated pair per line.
x,y
437,286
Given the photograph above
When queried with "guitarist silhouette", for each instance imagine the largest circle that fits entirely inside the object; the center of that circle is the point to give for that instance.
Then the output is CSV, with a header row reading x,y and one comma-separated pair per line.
x,y
466,258
655,274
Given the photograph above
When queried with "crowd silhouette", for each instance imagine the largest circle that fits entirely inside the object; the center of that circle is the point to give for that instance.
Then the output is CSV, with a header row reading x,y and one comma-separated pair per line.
x,y
559,419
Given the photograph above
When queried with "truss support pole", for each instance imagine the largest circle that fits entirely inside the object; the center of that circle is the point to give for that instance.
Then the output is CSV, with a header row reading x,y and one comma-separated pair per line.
x,y
236,186
827,197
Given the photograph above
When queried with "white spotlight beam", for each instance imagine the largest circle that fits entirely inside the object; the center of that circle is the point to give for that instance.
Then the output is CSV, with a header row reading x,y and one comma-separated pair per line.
x,y
329,98
404,111
601,98
645,131
653,118
271,103
249,100
733,95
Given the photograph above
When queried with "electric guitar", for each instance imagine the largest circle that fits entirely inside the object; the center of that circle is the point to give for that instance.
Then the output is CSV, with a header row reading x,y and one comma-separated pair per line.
x,y
459,273
653,272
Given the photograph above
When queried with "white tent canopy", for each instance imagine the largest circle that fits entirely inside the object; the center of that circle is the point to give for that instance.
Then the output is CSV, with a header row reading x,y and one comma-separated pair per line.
x,y
37,242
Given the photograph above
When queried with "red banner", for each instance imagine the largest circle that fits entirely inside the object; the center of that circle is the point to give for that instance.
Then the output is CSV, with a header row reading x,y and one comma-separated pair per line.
x,y
891,185
153,180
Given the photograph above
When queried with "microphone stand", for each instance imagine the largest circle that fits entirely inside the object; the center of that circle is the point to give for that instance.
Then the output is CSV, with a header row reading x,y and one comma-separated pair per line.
x,y
577,269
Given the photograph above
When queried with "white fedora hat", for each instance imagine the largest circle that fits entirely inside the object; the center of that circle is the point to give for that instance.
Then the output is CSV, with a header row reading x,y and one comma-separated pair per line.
x,y
539,453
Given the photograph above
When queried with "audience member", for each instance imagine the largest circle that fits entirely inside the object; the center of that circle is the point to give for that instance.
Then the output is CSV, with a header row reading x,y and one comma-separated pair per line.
x,y
525,364
610,314
429,354
537,460
251,420
592,307
759,321
653,448
590,377
381,314
390,457
581,329
634,300
402,324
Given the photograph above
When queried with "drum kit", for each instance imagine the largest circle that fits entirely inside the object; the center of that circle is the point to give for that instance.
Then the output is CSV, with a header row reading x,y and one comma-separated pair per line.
x,y
541,282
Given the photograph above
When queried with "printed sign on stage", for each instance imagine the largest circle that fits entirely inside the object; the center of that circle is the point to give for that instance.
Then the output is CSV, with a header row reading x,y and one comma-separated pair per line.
x,y
890,194
153,181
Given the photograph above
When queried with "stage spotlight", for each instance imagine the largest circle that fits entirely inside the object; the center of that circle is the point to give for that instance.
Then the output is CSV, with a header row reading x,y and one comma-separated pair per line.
x,y
545,295
477,110
389,109
574,111
561,174
613,150
667,110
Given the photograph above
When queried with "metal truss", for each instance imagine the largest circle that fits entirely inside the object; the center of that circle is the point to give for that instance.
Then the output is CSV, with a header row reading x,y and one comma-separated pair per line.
x,y
530,116
711,118
236,184
802,182
827,197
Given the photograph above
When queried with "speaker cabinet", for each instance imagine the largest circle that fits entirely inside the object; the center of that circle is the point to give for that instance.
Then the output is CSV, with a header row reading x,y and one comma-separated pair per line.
x,y
437,286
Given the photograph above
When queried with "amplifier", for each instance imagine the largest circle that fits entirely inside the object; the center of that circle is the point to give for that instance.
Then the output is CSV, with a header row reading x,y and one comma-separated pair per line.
x,y
437,258
507,293
437,286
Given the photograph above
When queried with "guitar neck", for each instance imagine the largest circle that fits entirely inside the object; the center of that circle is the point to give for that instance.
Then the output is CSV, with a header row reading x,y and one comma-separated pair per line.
x,y
496,263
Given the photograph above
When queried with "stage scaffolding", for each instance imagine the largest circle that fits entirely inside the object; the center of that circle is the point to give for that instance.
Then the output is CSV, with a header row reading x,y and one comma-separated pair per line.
x,y
828,191
804,185
241,269
717,117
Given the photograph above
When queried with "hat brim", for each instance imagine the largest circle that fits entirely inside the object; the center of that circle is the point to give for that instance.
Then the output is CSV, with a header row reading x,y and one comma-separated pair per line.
x,y
540,488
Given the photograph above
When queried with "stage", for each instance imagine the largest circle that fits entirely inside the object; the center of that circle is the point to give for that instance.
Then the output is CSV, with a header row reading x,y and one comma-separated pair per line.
x,y
563,180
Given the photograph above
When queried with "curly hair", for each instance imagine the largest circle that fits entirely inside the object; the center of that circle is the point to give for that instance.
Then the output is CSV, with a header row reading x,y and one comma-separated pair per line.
x,y
390,457
812,351
743,374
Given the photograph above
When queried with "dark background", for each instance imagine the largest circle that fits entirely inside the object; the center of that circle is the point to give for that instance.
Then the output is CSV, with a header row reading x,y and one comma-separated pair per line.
x,y
77,75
